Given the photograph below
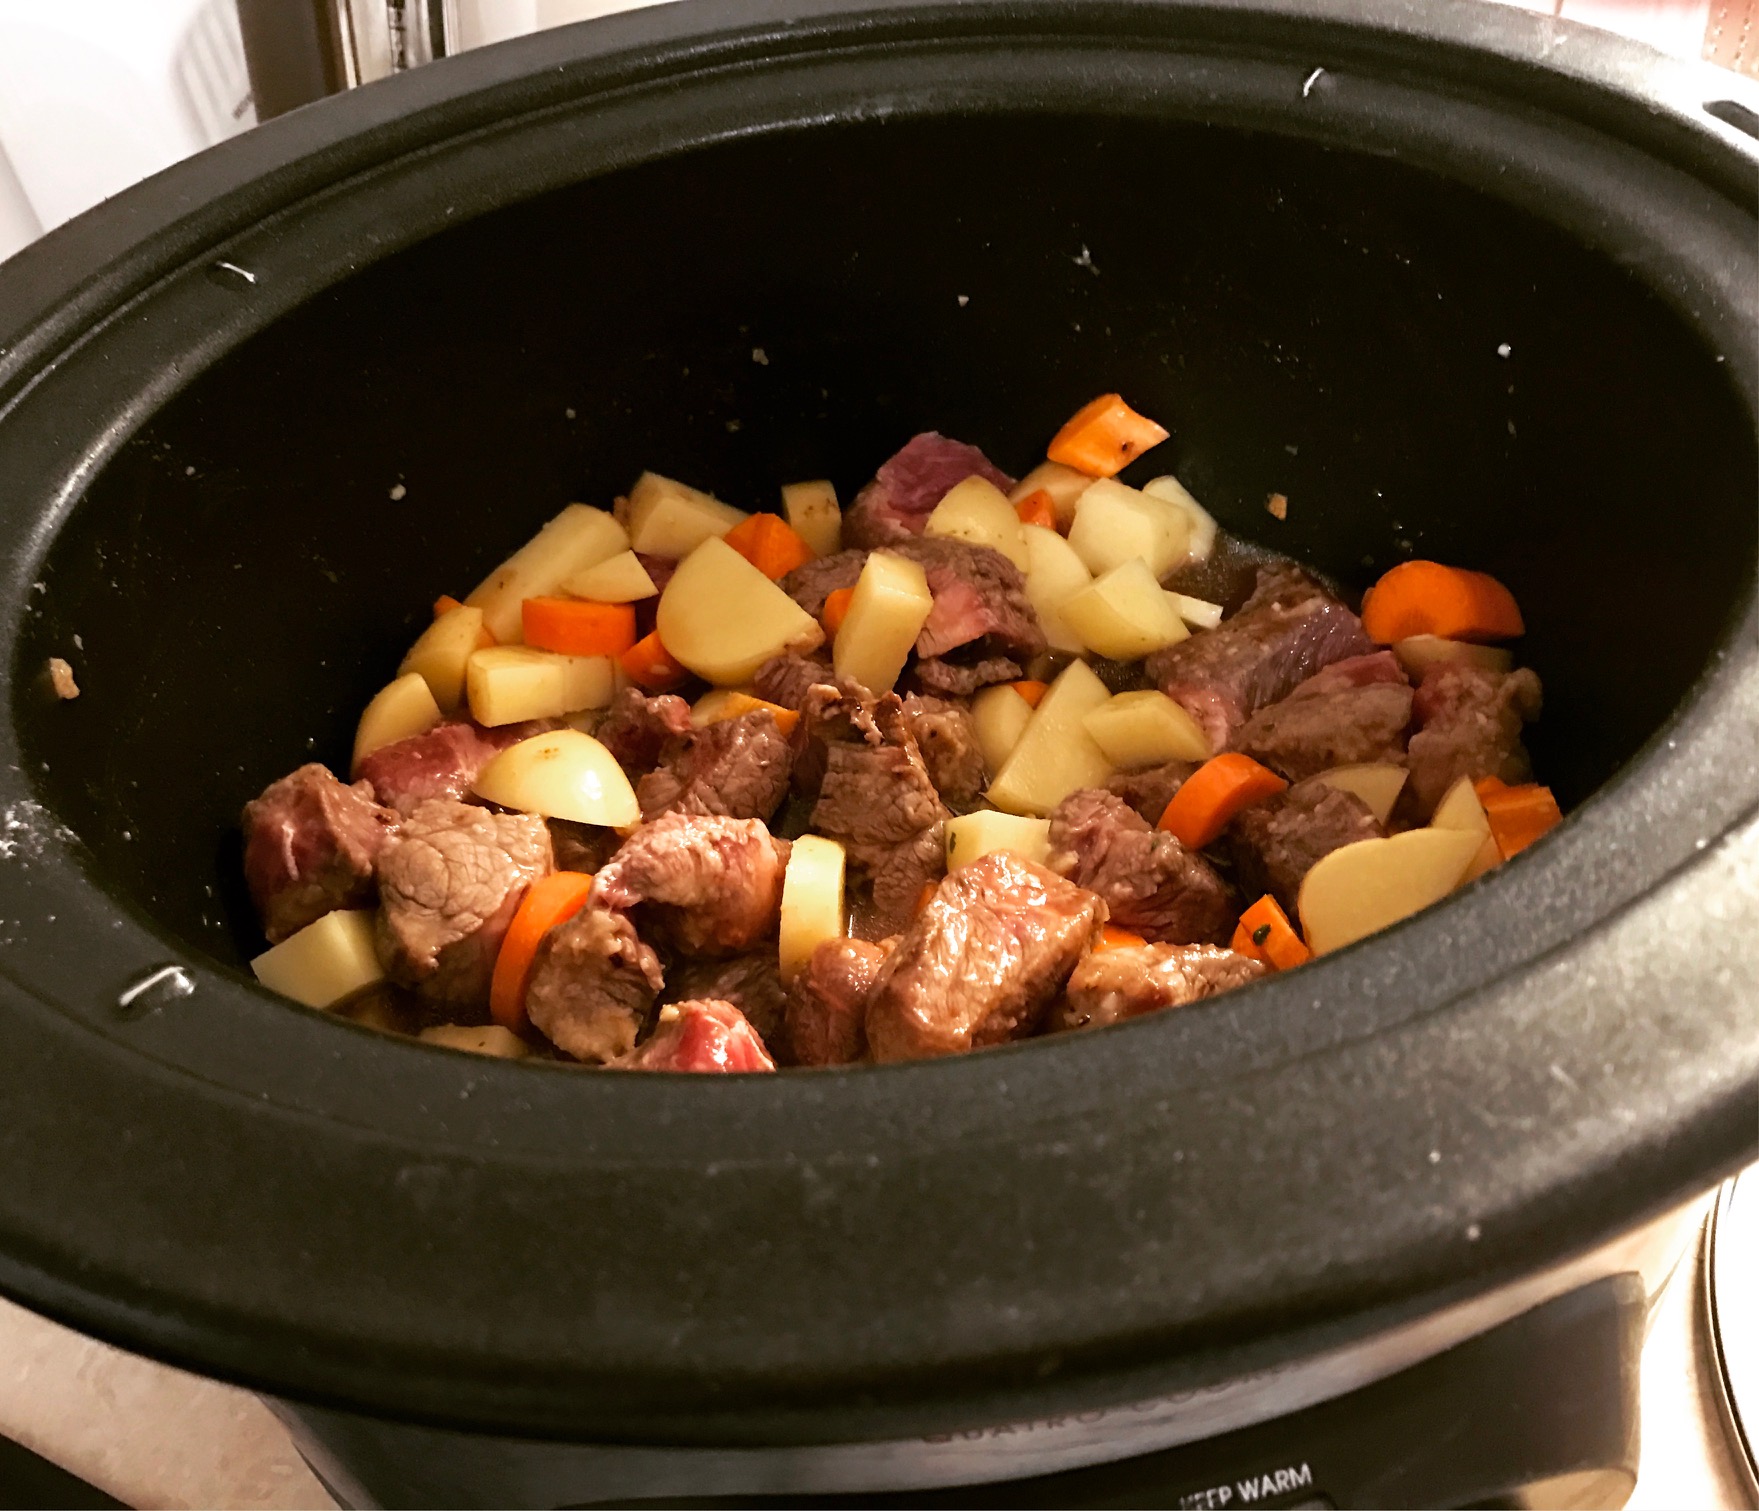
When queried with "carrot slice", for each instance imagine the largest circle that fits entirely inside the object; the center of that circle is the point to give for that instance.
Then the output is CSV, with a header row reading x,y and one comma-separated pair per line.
x,y
836,608
1037,508
770,544
1213,794
577,626
1104,437
1426,598
1114,938
1518,815
445,603
926,895
1265,934
649,664
553,900
1032,692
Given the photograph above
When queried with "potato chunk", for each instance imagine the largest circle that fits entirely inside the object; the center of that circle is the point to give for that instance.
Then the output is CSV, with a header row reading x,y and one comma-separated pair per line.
x,y
978,512
812,510
506,684
1378,784
1362,888
1055,754
563,774
1202,525
1199,613
574,540
669,518
1114,524
812,901
722,618
1123,614
1054,575
1064,485
617,579
1001,716
1420,652
406,707
1146,729
477,1039
325,961
890,606
977,834
1460,809
440,655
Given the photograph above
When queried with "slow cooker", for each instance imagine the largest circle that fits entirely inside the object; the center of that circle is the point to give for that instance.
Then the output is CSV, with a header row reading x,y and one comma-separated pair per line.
x,y
1456,281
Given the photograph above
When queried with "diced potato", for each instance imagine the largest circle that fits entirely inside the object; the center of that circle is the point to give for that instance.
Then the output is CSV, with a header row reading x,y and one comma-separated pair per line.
x,y
477,1039
1055,755
812,901
574,540
440,655
975,834
508,683
1054,575
406,707
562,774
723,618
1001,716
1146,729
1460,809
1114,524
668,518
890,606
1063,484
812,510
1376,783
1202,522
979,512
1123,614
617,579
325,961
1199,613
1364,887
1421,652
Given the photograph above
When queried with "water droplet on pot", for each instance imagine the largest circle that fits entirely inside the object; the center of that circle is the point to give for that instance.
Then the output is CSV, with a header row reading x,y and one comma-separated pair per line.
x,y
151,991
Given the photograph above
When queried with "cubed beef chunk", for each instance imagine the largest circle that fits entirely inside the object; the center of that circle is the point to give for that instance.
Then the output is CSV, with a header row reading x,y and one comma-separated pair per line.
x,y
735,767
788,678
581,847
1353,710
592,984
636,728
702,1038
942,677
1470,722
1290,628
894,881
896,504
309,846
947,737
827,1003
441,764
450,881
1274,844
1150,790
983,960
1151,884
1112,985
710,885
752,983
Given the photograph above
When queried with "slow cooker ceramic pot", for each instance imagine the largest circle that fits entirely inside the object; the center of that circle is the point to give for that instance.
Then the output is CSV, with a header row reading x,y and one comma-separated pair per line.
x,y
1459,282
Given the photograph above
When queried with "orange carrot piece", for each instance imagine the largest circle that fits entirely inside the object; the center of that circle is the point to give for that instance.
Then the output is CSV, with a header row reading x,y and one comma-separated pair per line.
x,y
445,603
553,900
1032,692
1265,934
1426,598
1104,437
1037,508
649,664
1518,815
1213,794
926,895
836,609
578,626
1114,938
770,544
738,704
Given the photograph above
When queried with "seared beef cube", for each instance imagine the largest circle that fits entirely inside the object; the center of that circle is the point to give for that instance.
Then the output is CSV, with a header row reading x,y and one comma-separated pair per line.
x,y
1116,984
983,960
827,1003
1150,790
1289,628
1354,710
735,767
946,735
711,885
441,764
700,1037
895,876
788,678
450,882
592,984
309,847
636,728
1470,723
581,847
896,504
1151,884
752,983
938,676
1274,844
